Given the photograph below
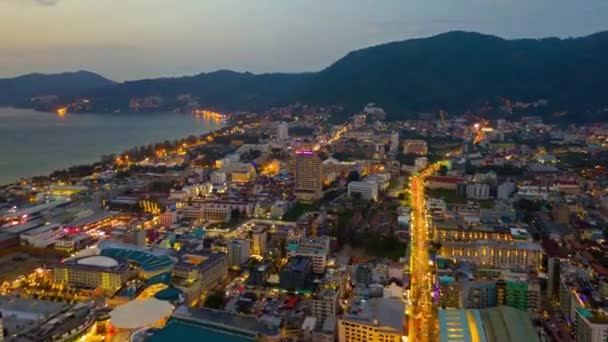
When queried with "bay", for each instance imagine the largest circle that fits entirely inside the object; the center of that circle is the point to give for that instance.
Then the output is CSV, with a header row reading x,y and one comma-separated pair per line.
x,y
34,143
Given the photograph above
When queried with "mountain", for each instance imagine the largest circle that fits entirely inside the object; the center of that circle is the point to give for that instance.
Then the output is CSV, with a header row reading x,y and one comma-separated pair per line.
x,y
226,90
459,70
454,71
21,89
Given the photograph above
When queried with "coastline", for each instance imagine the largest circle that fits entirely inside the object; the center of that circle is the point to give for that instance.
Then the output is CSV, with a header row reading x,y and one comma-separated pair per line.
x,y
13,168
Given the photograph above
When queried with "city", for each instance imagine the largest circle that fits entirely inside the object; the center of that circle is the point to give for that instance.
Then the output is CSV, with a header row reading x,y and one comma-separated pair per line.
x,y
303,171
444,229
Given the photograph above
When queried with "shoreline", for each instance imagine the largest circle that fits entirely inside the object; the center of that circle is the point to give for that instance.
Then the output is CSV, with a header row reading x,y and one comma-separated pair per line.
x,y
97,160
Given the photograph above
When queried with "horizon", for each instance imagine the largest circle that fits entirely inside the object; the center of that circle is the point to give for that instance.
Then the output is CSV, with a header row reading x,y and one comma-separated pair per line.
x,y
282,72
151,38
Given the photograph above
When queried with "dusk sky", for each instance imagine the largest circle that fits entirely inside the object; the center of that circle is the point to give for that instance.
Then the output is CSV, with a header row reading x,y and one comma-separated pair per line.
x,y
131,39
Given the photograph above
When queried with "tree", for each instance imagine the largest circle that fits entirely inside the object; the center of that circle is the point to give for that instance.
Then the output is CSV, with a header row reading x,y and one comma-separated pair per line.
x,y
353,176
215,300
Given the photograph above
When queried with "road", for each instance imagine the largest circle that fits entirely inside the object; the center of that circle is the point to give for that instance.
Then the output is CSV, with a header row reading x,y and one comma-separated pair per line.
x,y
421,310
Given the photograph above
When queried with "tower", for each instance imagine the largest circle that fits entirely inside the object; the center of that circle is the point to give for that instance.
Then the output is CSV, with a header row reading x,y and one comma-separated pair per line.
x,y
283,131
308,172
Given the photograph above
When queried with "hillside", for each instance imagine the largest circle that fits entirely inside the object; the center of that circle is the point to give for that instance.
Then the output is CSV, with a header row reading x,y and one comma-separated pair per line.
x,y
455,71
21,89
459,70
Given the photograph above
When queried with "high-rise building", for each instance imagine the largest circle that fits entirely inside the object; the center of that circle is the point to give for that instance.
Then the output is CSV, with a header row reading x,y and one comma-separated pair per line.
x,y
394,141
238,252
308,171
283,131
259,241
324,304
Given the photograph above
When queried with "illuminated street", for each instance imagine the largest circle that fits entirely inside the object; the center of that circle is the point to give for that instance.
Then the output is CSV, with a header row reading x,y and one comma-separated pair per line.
x,y
421,315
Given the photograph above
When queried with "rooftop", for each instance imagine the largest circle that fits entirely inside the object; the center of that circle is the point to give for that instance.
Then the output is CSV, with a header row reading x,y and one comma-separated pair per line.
x,y
100,261
499,324
381,312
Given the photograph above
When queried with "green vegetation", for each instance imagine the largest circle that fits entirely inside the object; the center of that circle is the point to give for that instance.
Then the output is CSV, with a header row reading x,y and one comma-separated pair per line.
x,y
298,210
383,247
353,176
407,159
450,196
215,300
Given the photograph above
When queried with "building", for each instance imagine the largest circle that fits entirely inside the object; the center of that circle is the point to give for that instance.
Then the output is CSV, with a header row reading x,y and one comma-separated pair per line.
x,y
443,182
309,176
591,325
242,173
283,131
203,324
92,272
394,139
318,256
514,255
73,243
206,268
500,324
294,275
479,294
215,211
259,241
168,218
43,236
419,147
324,304
238,252
218,177
363,275
478,191
146,263
365,190
375,320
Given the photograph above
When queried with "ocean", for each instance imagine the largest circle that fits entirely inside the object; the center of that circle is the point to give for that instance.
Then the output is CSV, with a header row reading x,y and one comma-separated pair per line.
x,y
34,143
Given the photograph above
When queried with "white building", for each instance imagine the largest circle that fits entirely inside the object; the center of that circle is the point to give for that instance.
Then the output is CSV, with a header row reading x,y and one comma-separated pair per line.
x,y
238,252
591,326
42,237
218,177
367,190
283,131
478,191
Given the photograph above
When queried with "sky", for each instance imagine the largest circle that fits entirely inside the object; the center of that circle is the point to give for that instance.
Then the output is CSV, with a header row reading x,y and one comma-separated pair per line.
x,y
133,39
